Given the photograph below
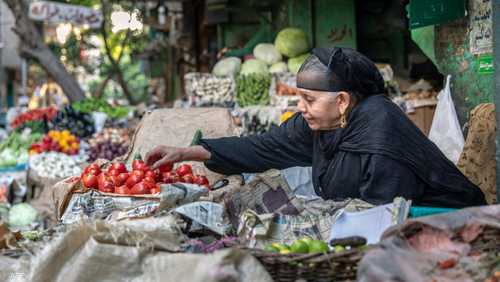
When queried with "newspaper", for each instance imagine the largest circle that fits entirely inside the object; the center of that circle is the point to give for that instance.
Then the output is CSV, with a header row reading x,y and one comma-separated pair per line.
x,y
207,214
176,194
94,205
315,221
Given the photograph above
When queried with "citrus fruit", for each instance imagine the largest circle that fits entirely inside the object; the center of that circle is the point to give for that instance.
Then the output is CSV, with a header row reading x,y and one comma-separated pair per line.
x,y
318,246
299,247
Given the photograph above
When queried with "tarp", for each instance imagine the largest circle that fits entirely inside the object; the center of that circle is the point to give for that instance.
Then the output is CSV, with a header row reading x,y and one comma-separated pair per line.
x,y
443,247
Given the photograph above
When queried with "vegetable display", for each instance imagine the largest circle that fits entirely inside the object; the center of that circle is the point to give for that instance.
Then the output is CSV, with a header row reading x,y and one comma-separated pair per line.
x,y
278,68
295,63
57,141
34,115
267,53
253,89
55,165
78,123
14,149
90,105
254,66
140,180
227,67
291,42
108,144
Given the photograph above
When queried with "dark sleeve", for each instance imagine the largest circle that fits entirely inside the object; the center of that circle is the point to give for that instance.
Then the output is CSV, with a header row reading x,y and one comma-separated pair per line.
x,y
385,178
282,147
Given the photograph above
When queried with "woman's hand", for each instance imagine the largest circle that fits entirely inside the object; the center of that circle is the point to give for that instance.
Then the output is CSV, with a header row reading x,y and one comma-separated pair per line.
x,y
162,155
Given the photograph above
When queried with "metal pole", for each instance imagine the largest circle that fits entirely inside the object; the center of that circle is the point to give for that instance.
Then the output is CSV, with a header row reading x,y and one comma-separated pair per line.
x,y
496,57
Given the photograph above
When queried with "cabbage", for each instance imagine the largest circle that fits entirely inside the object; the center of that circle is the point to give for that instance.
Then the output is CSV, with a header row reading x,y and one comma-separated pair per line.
x,y
295,63
291,42
229,66
267,52
278,68
254,66
22,215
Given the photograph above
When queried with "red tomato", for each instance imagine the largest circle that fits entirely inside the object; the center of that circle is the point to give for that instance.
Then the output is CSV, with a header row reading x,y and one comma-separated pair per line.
x,y
184,169
169,177
113,172
107,187
166,167
201,180
188,178
156,189
90,181
120,167
102,178
151,174
93,166
124,190
157,173
139,189
123,177
138,173
94,171
149,179
139,165
132,180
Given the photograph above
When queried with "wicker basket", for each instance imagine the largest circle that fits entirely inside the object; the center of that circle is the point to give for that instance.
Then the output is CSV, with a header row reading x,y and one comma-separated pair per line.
x,y
319,267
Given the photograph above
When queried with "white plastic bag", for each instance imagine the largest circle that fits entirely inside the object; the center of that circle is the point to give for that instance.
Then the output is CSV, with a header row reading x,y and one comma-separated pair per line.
x,y
445,130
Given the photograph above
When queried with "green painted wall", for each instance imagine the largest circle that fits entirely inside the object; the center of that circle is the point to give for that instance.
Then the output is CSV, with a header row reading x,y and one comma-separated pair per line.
x,y
452,56
335,23
328,22
470,88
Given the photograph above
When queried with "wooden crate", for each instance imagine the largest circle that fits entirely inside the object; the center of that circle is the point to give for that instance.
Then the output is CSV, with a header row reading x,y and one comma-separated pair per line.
x,y
422,117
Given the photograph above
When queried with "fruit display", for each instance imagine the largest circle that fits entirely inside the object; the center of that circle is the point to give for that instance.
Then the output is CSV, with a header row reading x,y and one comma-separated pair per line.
x,y
14,149
304,245
108,144
55,165
57,141
90,105
34,115
78,123
140,180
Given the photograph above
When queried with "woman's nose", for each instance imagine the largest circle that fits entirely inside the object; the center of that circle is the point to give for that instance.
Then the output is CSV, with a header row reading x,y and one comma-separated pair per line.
x,y
301,107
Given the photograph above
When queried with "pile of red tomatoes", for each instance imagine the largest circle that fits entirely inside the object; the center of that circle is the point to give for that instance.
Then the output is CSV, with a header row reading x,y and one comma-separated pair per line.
x,y
141,180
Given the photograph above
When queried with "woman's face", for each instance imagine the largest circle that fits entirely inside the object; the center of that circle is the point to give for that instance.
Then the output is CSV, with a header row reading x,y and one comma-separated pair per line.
x,y
322,110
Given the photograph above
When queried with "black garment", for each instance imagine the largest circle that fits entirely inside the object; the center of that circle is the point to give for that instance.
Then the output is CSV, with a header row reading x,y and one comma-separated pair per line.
x,y
340,69
381,154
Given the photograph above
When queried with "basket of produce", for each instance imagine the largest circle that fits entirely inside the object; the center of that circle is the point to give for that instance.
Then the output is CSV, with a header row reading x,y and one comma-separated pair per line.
x,y
208,89
312,260
14,149
109,144
78,123
253,89
90,105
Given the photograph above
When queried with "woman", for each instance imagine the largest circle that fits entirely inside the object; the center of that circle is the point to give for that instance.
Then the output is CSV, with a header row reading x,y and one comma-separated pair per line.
x,y
359,143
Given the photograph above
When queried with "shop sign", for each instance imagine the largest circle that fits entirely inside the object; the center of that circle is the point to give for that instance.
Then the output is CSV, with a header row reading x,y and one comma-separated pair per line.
x,y
485,64
55,13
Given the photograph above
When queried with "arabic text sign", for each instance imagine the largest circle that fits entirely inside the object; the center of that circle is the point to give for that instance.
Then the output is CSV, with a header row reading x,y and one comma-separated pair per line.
x,y
63,13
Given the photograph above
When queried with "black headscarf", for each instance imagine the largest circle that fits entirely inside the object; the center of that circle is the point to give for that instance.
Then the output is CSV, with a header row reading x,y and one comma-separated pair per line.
x,y
340,69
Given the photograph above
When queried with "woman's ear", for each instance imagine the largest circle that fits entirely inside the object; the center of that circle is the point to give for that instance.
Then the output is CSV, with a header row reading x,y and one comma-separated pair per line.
x,y
343,101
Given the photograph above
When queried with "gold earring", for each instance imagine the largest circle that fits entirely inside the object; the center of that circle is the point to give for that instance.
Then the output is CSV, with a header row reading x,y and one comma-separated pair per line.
x,y
343,121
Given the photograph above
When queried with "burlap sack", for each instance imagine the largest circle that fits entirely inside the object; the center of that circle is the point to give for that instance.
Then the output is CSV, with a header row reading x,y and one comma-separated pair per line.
x,y
477,161
177,127
136,251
